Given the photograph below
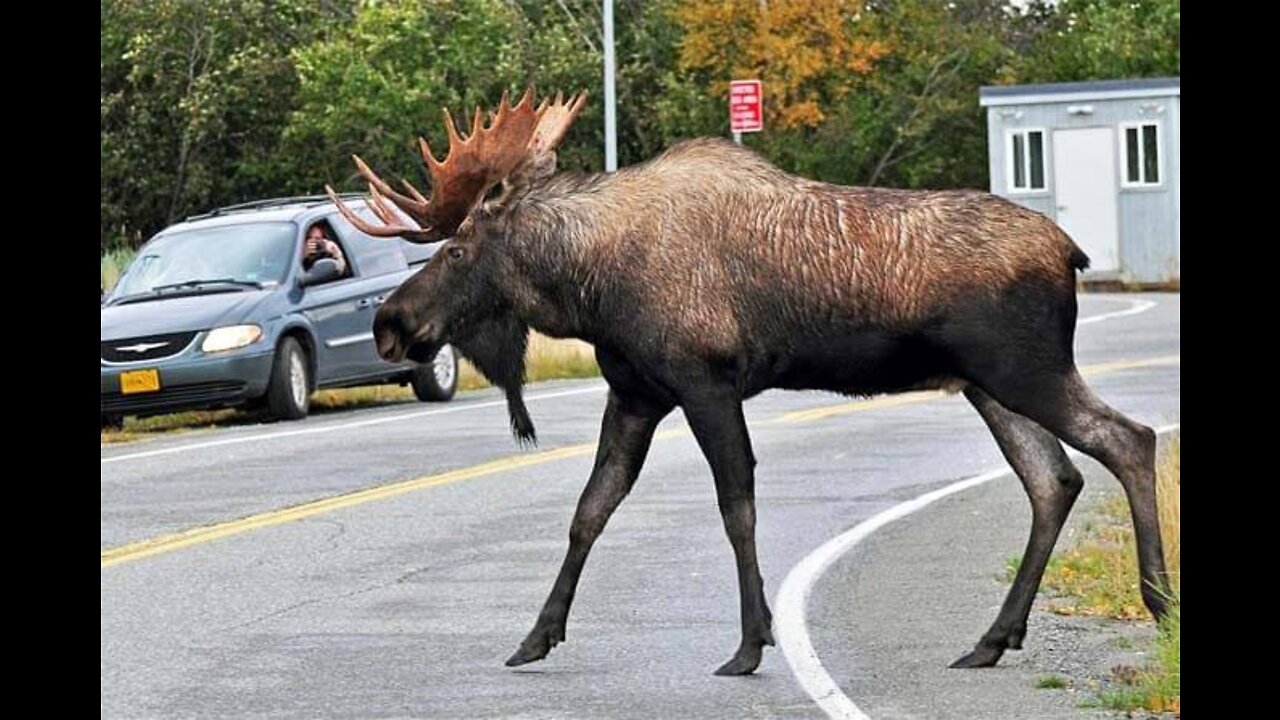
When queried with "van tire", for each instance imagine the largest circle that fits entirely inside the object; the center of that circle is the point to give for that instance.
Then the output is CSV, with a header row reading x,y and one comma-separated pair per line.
x,y
437,380
289,391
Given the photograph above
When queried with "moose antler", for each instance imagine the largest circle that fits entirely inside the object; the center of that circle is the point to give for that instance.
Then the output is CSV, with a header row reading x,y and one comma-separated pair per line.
x,y
554,121
474,165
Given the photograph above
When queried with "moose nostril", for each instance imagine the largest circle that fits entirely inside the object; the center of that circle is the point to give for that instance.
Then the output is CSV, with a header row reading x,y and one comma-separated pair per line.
x,y
388,328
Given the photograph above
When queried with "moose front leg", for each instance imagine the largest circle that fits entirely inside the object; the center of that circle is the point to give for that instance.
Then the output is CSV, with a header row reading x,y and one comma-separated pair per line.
x,y
625,435
715,416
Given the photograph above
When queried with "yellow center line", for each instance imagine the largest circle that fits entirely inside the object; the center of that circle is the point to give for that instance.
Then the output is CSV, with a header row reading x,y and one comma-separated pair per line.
x,y
1116,365
196,536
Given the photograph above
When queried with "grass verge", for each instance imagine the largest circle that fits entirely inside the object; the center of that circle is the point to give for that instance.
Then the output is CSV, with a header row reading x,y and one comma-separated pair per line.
x,y
1099,576
1051,682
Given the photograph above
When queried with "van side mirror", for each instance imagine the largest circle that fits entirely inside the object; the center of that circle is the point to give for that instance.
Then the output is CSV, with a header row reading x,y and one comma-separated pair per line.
x,y
324,270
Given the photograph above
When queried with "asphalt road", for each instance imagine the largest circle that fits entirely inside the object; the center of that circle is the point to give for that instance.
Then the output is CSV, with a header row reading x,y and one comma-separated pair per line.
x,y
406,605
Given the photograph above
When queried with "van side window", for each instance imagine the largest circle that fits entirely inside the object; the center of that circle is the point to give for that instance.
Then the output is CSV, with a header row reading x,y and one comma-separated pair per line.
x,y
372,256
416,254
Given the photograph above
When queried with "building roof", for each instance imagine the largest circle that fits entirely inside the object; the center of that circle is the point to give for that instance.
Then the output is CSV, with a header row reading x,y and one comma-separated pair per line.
x,y
1074,91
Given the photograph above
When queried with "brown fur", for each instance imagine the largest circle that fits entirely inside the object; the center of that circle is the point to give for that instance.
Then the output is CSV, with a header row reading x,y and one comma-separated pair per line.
x,y
733,236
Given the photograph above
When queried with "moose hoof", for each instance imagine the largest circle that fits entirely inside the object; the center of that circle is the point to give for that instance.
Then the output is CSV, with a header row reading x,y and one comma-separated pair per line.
x,y
522,656
744,662
982,656
536,646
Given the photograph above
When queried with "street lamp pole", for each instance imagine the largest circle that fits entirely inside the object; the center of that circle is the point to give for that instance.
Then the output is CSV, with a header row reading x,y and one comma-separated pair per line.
x,y
610,101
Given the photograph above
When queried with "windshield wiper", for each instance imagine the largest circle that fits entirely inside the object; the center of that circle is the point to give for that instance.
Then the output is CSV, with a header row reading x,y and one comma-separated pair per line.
x,y
126,299
188,287
214,281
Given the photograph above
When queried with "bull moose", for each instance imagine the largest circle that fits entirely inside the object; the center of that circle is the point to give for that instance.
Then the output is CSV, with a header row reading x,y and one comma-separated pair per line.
x,y
707,275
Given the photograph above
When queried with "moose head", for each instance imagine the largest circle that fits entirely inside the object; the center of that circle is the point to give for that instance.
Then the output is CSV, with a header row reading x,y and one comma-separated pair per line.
x,y
458,296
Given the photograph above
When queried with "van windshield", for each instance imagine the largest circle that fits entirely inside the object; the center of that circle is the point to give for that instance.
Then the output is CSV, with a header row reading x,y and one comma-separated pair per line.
x,y
252,254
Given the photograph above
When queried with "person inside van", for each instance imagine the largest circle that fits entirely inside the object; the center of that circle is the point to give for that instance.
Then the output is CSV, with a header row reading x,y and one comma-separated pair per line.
x,y
320,245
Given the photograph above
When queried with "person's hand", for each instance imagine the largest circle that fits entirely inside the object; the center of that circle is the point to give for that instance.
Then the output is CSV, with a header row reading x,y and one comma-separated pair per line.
x,y
313,245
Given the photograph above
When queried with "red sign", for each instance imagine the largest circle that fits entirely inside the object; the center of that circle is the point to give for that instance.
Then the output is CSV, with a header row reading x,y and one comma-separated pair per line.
x,y
746,106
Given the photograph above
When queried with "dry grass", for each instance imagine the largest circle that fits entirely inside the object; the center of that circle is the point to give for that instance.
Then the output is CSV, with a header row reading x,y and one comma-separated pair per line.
x,y
348,398
142,428
551,358
1099,576
548,359
1169,492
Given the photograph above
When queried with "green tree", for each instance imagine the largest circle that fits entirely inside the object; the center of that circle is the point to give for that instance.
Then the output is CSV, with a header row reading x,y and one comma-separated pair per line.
x,y
194,96
380,82
915,121
1103,40
377,84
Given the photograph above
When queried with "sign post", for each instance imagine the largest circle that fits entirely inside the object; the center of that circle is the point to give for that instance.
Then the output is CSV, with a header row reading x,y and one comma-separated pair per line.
x,y
746,108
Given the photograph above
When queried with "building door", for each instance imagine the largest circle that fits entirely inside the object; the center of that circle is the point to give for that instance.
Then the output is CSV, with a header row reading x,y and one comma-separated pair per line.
x,y
1084,177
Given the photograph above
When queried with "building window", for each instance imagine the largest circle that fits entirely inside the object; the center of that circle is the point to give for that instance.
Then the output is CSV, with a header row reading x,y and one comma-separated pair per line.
x,y
1141,153
1026,160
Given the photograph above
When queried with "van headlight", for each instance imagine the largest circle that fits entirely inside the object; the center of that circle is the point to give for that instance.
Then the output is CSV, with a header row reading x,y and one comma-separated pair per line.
x,y
231,337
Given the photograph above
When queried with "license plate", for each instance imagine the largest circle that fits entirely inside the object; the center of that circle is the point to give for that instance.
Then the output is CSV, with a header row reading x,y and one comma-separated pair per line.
x,y
139,381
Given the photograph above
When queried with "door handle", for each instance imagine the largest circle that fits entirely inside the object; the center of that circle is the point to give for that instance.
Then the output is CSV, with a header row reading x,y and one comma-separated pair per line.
x,y
372,302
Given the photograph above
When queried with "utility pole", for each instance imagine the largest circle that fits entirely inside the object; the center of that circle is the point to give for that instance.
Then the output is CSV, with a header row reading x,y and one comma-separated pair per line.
x,y
610,101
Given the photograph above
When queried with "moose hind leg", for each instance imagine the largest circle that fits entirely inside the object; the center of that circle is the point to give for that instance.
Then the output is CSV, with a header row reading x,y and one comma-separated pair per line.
x,y
625,434
716,419
1063,404
1052,483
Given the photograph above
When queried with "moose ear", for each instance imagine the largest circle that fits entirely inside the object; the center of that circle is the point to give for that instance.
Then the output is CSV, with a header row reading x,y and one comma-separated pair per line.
x,y
554,118
533,169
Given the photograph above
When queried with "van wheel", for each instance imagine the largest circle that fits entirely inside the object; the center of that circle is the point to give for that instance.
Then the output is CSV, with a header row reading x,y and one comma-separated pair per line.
x,y
289,391
437,380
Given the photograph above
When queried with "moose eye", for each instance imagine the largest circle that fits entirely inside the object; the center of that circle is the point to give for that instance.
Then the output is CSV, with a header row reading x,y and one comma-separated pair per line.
x,y
455,253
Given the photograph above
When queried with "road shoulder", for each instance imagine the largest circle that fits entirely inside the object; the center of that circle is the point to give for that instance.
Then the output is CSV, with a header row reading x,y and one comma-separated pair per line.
x,y
890,616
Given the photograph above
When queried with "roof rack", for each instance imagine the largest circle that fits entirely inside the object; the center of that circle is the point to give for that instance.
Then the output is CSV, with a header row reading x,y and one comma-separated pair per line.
x,y
274,202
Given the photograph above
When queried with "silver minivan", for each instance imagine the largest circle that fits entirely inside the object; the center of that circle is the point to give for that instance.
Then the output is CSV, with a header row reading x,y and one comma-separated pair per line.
x,y
219,311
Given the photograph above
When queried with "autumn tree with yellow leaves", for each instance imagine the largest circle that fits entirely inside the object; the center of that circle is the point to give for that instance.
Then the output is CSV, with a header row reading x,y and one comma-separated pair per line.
x,y
804,51
868,92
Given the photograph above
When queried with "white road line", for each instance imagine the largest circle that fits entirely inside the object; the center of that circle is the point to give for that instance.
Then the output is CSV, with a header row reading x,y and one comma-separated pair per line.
x,y
594,388
793,597
1136,306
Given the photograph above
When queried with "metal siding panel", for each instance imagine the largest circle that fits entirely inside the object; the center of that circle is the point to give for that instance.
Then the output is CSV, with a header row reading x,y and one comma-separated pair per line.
x,y
1146,235
1147,217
